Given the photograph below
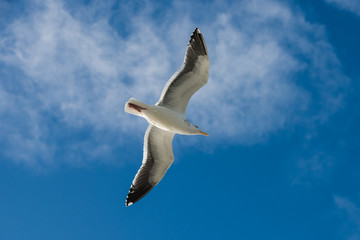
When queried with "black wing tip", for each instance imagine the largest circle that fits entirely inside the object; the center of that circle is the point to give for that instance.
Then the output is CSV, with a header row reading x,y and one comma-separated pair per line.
x,y
197,36
194,34
134,196
130,200
128,203
131,197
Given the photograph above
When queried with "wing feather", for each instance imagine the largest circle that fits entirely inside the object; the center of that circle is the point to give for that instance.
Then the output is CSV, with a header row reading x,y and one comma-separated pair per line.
x,y
191,76
158,157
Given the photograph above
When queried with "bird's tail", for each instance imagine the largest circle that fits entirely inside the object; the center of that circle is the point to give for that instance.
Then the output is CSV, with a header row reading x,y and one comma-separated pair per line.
x,y
134,106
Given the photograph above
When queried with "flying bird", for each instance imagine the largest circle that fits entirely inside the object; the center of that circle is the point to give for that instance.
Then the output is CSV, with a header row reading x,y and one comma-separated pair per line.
x,y
167,117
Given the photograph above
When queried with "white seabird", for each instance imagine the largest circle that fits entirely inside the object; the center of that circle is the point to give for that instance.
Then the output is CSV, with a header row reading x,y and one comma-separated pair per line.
x,y
167,117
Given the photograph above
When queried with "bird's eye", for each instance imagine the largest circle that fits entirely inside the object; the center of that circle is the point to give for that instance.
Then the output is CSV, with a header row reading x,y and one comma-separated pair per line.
x,y
196,126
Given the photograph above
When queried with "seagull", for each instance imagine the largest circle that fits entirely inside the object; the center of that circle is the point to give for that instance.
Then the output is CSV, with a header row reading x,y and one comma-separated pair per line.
x,y
167,117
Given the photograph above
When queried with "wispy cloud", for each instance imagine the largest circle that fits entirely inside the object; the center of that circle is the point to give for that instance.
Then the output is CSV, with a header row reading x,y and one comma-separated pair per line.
x,y
312,168
71,73
348,5
352,217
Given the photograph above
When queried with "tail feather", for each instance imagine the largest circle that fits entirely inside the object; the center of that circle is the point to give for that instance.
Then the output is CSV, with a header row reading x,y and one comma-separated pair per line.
x,y
134,106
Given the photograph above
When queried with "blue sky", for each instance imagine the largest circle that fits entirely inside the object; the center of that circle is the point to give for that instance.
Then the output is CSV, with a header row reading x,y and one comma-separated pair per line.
x,y
281,107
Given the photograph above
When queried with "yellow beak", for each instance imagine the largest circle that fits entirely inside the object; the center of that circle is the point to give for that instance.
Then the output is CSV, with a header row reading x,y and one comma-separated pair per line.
x,y
203,133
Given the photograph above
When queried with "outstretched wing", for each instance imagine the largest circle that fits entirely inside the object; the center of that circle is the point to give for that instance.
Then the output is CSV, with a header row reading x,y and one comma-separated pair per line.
x,y
191,76
158,157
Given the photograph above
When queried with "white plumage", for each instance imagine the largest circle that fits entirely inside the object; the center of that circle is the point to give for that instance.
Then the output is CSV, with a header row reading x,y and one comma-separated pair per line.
x,y
167,117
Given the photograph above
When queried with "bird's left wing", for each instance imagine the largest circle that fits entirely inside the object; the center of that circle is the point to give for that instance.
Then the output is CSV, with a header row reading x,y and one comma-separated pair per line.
x,y
191,76
158,157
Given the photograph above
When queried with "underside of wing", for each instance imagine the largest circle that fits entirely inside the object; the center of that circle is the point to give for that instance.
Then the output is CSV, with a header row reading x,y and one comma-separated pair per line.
x,y
158,157
191,76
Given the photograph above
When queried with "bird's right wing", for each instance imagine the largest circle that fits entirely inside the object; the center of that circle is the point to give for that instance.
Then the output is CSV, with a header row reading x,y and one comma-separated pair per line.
x,y
158,157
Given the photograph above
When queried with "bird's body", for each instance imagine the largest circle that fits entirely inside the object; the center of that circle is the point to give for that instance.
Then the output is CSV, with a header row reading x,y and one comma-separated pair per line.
x,y
164,118
167,117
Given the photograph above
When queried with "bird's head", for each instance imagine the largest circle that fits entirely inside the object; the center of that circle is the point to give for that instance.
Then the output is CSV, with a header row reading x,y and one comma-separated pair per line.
x,y
196,130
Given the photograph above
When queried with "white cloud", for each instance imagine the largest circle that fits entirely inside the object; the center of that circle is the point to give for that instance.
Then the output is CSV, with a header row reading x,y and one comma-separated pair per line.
x,y
313,169
258,54
81,72
348,5
352,222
